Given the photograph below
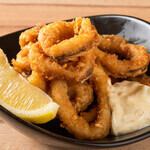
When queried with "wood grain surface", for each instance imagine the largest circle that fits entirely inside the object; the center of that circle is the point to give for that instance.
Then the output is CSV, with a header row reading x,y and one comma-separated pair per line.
x,y
16,15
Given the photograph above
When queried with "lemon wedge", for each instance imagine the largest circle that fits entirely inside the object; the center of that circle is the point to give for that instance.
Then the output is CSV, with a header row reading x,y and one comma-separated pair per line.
x,y
23,99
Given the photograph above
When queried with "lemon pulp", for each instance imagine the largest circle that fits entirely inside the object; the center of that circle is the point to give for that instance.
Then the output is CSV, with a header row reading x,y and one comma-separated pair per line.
x,y
23,99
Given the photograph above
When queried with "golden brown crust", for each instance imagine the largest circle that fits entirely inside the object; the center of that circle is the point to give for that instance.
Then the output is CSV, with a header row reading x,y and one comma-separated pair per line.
x,y
51,69
75,124
59,39
29,36
21,63
136,58
81,95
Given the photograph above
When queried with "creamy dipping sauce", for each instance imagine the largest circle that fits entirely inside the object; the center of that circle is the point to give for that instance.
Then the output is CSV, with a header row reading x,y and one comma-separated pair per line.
x,y
130,104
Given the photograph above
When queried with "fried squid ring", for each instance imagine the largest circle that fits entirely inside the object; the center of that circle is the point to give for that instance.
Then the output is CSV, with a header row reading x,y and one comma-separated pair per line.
x,y
112,44
58,39
76,124
37,80
136,62
55,32
81,95
22,64
29,36
90,115
50,69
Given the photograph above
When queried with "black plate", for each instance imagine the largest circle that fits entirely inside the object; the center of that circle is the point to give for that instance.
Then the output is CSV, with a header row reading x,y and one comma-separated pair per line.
x,y
134,30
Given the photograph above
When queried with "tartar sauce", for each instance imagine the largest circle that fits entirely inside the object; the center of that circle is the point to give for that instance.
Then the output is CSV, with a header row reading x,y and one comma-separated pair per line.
x,y
130,104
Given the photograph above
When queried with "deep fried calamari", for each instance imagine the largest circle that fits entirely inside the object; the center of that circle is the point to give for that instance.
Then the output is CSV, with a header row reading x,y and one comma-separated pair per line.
x,y
29,36
76,124
51,69
135,62
21,63
58,39
37,80
81,95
